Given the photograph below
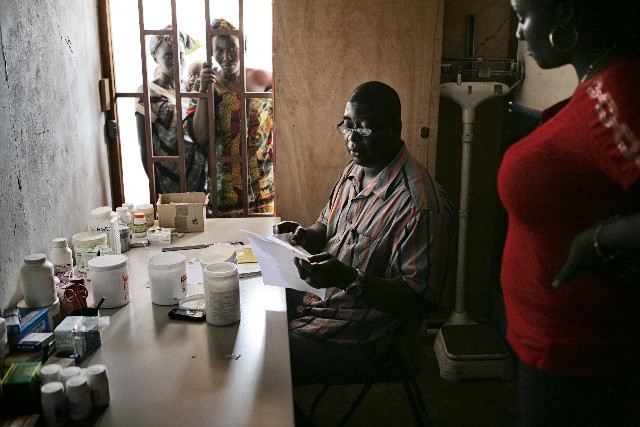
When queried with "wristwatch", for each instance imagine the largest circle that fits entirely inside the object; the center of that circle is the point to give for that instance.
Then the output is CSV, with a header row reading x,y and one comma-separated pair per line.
x,y
355,289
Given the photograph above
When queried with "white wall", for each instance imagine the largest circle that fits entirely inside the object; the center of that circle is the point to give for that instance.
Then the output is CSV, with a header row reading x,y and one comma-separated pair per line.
x,y
542,88
53,157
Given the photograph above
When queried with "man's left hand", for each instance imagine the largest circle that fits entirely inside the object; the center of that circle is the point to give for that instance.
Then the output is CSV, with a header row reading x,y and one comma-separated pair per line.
x,y
325,270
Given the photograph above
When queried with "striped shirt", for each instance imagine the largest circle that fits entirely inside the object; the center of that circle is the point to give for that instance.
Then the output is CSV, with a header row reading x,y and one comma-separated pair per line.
x,y
387,230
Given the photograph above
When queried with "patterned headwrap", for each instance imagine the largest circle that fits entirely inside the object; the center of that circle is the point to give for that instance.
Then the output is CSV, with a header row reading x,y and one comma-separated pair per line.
x,y
222,24
188,43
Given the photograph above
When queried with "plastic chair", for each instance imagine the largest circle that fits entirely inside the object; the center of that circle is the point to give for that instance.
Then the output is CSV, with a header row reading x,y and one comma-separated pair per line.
x,y
400,364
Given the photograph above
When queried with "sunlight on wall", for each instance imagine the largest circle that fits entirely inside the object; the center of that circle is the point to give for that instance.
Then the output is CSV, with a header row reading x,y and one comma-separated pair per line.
x,y
190,17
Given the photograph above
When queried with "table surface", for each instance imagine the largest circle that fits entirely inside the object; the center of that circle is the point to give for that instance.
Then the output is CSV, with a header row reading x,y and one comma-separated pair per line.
x,y
165,372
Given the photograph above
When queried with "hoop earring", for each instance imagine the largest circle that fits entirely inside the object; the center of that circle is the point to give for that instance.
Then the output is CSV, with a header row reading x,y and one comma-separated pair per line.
x,y
563,39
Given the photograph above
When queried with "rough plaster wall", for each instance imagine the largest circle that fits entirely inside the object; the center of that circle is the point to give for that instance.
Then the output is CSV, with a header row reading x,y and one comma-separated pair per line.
x,y
53,157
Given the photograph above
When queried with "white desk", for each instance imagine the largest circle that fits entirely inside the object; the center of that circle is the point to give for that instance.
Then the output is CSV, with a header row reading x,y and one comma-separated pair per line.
x,y
165,372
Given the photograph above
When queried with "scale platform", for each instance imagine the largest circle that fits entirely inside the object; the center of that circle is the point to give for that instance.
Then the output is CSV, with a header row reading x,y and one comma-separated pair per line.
x,y
472,351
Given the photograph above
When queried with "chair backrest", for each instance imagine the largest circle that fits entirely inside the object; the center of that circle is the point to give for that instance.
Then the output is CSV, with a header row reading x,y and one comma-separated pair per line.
x,y
441,227
442,221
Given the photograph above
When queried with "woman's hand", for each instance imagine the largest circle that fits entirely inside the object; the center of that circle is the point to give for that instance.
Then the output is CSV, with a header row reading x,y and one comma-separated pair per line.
x,y
325,270
207,76
582,256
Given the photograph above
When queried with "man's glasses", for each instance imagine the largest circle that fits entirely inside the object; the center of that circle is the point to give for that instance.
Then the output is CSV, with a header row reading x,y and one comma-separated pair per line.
x,y
345,130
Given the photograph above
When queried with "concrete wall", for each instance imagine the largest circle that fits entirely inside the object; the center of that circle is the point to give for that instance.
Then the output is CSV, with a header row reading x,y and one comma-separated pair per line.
x,y
53,158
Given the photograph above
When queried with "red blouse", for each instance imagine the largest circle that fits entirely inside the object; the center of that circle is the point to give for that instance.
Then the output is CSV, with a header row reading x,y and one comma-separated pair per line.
x,y
574,170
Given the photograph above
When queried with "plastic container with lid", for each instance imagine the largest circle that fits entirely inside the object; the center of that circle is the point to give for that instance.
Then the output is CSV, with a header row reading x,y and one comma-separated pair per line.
x,y
84,242
149,213
139,225
78,397
125,216
110,279
131,207
61,257
38,281
222,293
105,220
53,402
168,278
98,380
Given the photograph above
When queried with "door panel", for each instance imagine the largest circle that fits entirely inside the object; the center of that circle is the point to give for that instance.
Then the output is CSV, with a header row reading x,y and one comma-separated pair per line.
x,y
323,49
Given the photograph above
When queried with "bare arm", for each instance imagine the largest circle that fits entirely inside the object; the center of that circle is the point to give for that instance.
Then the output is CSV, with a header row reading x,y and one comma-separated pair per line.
x,y
201,116
142,141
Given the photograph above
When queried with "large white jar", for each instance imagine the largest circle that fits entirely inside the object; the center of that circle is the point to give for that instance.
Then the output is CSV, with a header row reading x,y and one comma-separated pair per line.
x,y
38,283
222,293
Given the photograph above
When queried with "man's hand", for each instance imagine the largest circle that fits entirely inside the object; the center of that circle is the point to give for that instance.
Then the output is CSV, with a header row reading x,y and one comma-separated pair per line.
x,y
324,270
299,236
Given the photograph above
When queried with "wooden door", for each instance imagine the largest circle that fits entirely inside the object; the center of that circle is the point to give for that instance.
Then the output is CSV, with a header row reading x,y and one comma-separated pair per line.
x,y
323,49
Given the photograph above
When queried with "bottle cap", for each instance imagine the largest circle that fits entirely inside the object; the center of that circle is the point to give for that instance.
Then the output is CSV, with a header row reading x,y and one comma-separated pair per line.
x,y
60,242
101,212
34,259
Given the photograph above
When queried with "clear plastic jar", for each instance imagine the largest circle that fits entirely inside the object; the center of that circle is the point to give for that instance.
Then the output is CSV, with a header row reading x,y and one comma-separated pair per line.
x,y
222,293
38,283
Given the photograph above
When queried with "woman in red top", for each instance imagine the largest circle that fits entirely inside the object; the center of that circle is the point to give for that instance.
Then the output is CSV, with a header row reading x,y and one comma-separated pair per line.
x,y
570,271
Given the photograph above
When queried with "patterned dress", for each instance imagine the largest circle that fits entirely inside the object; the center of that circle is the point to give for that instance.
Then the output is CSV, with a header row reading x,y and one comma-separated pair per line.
x,y
164,123
228,144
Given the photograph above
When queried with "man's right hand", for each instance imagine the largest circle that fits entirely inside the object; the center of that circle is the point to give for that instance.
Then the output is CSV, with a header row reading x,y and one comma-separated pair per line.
x,y
299,233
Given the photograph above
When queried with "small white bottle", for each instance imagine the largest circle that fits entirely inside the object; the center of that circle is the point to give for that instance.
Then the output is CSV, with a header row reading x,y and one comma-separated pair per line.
x,y
139,225
98,384
61,257
222,293
38,281
54,404
125,216
78,397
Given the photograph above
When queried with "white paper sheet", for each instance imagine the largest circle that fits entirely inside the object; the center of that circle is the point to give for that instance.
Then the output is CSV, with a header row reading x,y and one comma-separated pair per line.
x,y
275,255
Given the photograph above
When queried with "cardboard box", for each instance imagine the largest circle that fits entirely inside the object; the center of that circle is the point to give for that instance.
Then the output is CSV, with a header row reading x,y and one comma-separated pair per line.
x,y
183,211
34,321
21,388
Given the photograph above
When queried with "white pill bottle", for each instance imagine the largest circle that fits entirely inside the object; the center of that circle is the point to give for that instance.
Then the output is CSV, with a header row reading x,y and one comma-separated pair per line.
x,y
222,293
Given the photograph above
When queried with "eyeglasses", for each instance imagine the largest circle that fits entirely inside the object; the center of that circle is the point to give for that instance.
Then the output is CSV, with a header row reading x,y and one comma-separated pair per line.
x,y
345,130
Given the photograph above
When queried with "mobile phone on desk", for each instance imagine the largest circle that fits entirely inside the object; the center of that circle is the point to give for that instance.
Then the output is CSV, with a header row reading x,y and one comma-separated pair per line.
x,y
184,314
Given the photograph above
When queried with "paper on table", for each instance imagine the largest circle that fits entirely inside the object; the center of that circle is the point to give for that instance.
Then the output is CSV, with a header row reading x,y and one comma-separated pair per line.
x,y
275,256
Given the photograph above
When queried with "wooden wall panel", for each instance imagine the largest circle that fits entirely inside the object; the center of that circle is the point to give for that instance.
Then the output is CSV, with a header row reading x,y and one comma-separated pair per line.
x,y
323,49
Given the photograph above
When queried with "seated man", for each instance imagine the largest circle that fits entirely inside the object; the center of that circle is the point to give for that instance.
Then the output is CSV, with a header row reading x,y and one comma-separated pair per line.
x,y
377,247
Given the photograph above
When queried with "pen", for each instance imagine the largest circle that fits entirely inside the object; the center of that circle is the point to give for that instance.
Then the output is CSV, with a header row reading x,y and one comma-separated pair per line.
x,y
186,248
